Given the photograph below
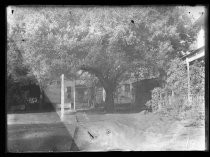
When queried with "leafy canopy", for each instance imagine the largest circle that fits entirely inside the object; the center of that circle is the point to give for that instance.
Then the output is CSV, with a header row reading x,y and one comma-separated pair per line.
x,y
106,42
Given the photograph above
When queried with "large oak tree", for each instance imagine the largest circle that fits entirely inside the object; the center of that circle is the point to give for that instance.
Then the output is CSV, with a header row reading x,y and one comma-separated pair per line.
x,y
108,43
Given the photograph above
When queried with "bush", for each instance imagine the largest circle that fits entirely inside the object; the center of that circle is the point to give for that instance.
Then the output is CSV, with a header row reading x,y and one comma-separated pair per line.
x,y
197,110
178,106
155,102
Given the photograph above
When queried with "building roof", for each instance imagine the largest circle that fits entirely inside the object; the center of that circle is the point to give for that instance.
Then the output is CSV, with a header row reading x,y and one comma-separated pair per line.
x,y
193,52
200,21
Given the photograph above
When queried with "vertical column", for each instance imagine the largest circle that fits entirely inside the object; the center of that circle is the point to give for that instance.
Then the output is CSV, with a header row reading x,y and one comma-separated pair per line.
x,y
131,88
74,94
67,96
131,95
123,89
160,102
188,80
62,96
117,94
103,94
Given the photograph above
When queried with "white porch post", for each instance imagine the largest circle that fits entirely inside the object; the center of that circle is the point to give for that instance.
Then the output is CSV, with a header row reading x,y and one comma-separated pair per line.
x,y
131,88
123,89
74,94
62,96
188,80
131,92
103,94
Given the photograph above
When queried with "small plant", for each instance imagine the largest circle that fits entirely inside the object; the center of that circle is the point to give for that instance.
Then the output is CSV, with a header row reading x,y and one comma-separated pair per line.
x,y
156,102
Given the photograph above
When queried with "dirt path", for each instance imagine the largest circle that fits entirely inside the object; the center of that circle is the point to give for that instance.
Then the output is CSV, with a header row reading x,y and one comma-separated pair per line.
x,y
100,132
135,132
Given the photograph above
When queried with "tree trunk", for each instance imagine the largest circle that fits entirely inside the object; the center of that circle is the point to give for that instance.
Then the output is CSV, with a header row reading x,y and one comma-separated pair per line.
x,y
93,97
109,100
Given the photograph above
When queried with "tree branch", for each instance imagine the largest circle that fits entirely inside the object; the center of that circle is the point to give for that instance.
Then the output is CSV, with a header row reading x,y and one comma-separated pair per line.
x,y
118,74
95,72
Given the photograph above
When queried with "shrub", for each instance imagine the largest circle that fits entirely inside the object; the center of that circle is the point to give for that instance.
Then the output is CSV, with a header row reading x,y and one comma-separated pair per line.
x,y
155,103
176,105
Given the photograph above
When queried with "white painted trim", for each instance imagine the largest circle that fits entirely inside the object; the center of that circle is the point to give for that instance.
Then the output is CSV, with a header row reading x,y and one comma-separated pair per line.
x,y
104,94
62,96
74,95
197,56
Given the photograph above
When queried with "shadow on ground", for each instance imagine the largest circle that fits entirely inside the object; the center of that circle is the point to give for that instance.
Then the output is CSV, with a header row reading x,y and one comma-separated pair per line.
x,y
39,132
37,128
39,138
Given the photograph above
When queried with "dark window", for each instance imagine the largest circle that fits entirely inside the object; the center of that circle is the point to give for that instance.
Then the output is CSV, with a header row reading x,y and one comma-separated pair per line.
x,y
69,92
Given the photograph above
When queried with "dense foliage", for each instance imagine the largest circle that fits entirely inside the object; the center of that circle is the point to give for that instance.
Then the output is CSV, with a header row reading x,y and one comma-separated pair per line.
x,y
108,43
173,98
